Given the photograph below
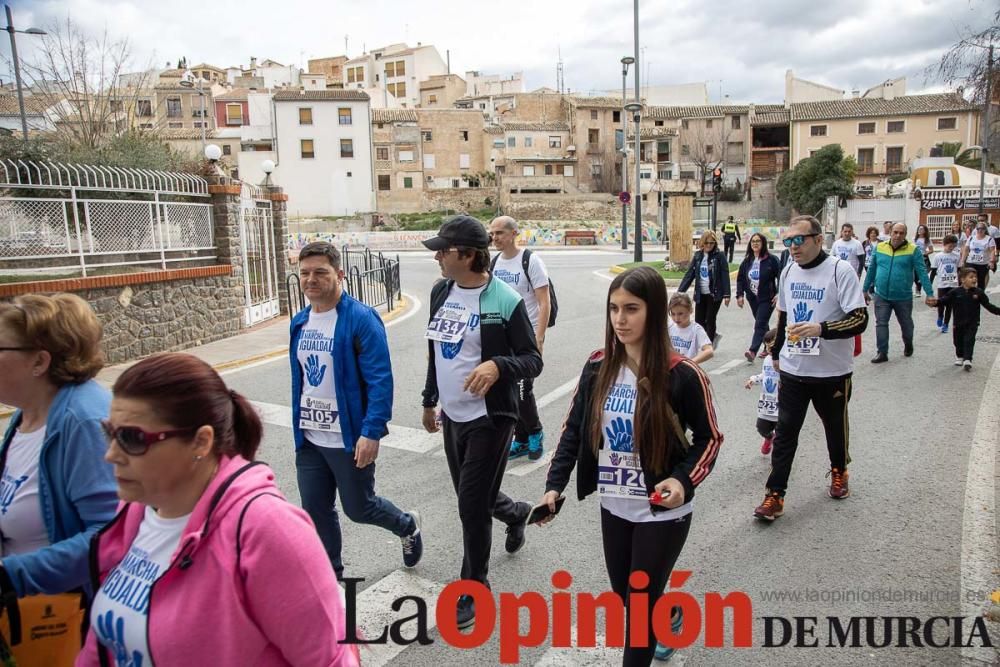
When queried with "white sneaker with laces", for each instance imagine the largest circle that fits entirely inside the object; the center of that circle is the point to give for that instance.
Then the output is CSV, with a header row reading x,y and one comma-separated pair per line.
x,y
958,361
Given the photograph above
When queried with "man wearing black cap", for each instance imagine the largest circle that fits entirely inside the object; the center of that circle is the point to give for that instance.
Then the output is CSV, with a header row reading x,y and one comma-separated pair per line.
x,y
481,344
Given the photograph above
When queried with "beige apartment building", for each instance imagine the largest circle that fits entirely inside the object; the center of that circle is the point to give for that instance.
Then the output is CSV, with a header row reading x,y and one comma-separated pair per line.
x,y
882,134
332,67
399,176
452,147
171,106
441,91
537,157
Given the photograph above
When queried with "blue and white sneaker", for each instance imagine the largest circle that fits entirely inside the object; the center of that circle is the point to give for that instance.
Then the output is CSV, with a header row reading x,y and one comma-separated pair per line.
x,y
535,441
413,544
664,653
517,449
944,329
940,322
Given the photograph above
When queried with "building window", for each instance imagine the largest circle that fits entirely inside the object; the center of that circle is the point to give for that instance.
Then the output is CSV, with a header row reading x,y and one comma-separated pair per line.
x,y
684,124
734,152
866,160
616,116
593,137
464,135
658,123
498,143
463,161
528,170
199,124
306,149
939,225
527,142
344,116
894,159
432,99
305,116
511,142
895,126
665,175
408,182
708,124
428,160
454,183
406,156
866,128
687,175
593,115
817,130
709,149
568,170
548,170
381,152
356,74
116,106
736,122
227,149
144,108
555,142
346,148
595,169
390,69
685,149
400,68
663,151
949,123
175,126
234,114
427,135
397,89
173,107
384,181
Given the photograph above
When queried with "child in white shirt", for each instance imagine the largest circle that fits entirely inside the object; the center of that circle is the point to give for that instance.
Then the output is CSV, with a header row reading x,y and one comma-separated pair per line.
x,y
944,273
687,337
767,404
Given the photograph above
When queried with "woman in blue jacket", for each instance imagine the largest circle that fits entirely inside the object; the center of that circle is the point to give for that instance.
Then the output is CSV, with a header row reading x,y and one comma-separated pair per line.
x,y
758,281
710,269
56,490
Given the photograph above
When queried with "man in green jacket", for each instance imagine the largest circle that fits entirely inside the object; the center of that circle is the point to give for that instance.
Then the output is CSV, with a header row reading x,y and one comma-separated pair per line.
x,y
894,263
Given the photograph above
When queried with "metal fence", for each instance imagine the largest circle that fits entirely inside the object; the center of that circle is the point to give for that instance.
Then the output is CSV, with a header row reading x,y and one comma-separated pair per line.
x,y
72,216
371,278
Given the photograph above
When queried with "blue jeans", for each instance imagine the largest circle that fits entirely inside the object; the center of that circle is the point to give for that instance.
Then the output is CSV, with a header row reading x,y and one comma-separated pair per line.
x,y
321,472
883,311
761,319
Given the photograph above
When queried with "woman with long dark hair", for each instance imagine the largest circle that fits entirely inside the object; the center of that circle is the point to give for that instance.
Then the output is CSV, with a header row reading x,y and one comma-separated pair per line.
x,y
869,244
758,281
922,239
626,431
709,272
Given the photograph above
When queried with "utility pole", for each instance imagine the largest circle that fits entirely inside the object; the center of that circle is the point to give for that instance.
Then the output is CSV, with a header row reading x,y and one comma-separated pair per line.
x,y
626,61
638,144
985,138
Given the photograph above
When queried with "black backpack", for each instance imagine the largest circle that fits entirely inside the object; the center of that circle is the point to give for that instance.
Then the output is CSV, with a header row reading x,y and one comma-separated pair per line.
x,y
553,301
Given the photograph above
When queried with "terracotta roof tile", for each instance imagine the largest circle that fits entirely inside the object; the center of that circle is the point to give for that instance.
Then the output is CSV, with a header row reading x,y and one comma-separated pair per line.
x,y
535,127
704,111
394,116
597,102
866,107
333,94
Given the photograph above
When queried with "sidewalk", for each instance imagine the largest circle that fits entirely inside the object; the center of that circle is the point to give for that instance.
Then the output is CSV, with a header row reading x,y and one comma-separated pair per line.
x,y
260,343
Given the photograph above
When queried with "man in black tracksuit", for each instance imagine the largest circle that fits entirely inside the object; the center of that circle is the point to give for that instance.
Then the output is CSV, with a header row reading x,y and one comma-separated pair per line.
x,y
480,344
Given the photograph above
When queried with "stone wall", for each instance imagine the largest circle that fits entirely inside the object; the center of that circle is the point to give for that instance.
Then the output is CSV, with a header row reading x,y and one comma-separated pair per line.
x,y
457,199
604,207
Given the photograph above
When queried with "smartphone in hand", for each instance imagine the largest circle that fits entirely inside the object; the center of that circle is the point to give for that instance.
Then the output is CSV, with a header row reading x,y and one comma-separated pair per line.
x,y
539,512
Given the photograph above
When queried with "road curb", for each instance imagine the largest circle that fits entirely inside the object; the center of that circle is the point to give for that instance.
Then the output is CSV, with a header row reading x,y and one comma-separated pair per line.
x,y
404,306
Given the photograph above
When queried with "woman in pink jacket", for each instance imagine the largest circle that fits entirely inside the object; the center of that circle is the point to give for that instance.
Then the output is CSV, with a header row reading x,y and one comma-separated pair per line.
x,y
206,562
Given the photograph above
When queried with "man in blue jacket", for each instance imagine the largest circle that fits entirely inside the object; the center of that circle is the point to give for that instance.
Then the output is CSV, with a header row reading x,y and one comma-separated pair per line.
x,y
894,263
341,403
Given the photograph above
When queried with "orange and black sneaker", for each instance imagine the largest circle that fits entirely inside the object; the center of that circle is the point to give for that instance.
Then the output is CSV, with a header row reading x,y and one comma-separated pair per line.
x,y
838,484
772,507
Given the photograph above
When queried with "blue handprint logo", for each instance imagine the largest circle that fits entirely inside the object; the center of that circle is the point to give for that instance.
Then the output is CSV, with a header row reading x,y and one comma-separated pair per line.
x,y
844,254
704,270
314,371
802,312
619,435
451,350
755,273
770,386
112,633
948,268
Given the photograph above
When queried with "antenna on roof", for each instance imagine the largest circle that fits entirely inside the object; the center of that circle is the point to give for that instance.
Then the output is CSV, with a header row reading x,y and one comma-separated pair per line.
x,y
345,44
559,72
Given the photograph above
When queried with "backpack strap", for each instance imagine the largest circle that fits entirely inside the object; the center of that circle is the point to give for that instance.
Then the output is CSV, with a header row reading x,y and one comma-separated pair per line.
x,y
493,262
239,525
525,263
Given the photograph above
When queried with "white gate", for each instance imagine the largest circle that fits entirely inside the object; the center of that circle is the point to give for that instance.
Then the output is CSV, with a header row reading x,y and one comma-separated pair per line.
x,y
260,275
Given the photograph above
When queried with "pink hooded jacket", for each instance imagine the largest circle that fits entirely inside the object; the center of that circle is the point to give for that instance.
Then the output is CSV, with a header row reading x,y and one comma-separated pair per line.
x,y
268,597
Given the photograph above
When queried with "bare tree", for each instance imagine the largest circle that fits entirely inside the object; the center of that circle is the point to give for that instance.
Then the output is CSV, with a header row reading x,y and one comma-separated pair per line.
x,y
965,63
81,76
708,147
609,177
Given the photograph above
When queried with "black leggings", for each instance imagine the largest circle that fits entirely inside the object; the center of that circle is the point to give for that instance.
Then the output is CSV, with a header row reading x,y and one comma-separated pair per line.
x,y
705,312
982,273
964,338
652,547
766,427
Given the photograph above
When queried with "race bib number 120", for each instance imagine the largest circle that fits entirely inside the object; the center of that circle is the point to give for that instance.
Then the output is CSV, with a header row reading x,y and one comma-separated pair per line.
x,y
619,475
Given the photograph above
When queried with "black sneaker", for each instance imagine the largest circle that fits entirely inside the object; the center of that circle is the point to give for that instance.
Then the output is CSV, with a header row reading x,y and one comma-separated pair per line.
x,y
413,544
515,531
465,612
880,358
907,349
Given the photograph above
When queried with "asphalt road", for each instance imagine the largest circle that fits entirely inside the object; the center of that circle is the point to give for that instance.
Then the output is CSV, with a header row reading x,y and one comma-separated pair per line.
x,y
900,533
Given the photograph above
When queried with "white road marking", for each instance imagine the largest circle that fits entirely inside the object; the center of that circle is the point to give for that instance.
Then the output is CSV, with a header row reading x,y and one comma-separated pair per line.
x,y
522,469
605,275
405,438
375,614
265,362
557,393
979,538
729,365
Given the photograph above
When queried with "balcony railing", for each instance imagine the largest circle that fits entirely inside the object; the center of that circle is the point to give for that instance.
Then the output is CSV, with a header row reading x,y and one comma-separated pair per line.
x,y
866,168
593,149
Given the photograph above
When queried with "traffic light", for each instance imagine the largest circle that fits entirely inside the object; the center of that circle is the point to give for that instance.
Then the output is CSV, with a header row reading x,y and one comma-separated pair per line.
x,y
717,180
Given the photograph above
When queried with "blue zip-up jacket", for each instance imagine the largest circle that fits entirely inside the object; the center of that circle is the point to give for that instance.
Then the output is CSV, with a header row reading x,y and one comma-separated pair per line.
x,y
891,272
76,488
364,378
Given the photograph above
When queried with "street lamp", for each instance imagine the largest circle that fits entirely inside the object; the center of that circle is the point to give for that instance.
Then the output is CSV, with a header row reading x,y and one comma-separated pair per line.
x,y
638,145
626,61
187,81
17,67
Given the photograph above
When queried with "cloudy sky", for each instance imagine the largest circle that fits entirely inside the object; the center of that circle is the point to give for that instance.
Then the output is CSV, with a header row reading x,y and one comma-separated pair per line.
x,y
740,49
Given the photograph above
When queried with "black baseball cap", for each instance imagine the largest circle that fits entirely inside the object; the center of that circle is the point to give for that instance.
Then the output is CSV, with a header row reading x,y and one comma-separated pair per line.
x,y
462,230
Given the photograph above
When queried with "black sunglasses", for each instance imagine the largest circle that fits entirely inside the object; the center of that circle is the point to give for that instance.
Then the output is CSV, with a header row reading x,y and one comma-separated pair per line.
x,y
798,239
136,442
15,349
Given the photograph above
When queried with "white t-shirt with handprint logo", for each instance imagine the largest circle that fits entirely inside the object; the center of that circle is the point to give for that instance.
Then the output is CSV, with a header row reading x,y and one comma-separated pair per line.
x,y
454,362
318,415
620,480
121,607
824,293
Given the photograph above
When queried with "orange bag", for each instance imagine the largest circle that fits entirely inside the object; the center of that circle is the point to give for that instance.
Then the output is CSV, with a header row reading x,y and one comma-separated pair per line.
x,y
42,629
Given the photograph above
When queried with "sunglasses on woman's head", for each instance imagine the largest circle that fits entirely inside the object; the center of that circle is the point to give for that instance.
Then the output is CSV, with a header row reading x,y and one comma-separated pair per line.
x,y
136,442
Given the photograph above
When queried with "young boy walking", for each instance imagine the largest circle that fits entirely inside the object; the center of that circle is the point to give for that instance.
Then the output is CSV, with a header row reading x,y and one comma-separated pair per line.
x,y
966,301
